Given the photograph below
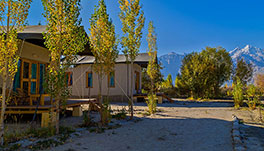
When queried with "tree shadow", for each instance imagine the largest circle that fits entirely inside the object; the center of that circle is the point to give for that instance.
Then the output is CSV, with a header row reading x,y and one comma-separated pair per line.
x,y
188,104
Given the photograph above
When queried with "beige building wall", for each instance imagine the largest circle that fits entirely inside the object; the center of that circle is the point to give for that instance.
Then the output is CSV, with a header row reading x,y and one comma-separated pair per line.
x,y
117,93
34,52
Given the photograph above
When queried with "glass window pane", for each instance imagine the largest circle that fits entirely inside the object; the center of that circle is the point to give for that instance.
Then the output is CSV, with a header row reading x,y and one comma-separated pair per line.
x,y
33,87
90,80
41,78
26,70
25,87
70,79
16,83
112,79
34,71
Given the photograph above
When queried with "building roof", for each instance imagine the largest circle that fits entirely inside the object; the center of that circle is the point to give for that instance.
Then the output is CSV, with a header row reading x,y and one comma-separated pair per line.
x,y
34,35
142,59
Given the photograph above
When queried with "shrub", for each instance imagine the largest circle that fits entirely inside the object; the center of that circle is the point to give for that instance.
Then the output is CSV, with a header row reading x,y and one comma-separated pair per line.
x,y
238,94
252,96
152,103
120,115
105,113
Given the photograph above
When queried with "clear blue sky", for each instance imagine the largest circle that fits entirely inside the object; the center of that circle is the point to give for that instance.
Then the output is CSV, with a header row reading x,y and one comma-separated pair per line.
x,y
184,26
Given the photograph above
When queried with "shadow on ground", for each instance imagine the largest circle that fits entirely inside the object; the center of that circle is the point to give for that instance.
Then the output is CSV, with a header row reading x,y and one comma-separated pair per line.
x,y
188,104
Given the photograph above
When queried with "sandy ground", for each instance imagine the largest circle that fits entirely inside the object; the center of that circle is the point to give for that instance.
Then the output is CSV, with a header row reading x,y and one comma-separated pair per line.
x,y
182,126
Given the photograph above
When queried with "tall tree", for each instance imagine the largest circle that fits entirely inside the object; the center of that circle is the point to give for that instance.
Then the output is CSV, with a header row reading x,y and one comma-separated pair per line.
x,y
64,39
13,15
222,64
132,18
153,68
104,43
243,71
203,73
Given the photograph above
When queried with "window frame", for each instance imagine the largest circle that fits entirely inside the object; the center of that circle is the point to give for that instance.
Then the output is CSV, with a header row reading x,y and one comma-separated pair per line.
x,y
109,79
70,78
87,80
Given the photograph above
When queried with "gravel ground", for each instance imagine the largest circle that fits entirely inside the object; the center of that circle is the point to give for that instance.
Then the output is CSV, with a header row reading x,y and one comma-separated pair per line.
x,y
182,126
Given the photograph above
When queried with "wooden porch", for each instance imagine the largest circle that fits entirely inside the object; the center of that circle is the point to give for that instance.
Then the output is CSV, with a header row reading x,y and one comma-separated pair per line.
x,y
46,107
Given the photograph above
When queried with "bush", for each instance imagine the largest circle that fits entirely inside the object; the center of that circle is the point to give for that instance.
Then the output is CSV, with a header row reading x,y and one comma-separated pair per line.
x,y
252,96
120,115
238,94
105,113
152,103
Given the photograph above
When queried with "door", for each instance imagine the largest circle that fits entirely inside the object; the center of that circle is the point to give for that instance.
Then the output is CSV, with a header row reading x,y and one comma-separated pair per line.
x,y
30,77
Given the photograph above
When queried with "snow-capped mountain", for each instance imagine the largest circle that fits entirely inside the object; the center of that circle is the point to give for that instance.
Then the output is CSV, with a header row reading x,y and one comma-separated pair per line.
x,y
171,64
250,54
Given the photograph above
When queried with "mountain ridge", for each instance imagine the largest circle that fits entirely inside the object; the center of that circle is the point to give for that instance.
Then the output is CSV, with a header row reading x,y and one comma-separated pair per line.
x,y
172,61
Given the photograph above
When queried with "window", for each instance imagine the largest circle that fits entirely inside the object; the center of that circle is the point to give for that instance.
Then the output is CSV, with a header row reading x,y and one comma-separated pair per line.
x,y
69,78
111,80
89,79
137,79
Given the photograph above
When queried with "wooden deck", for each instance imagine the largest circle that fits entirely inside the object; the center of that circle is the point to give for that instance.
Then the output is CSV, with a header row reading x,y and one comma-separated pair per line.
x,y
32,109
44,110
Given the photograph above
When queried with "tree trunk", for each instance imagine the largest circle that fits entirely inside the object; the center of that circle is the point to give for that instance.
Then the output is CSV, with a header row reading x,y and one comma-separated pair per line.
x,y
57,115
5,76
2,118
100,88
131,91
100,96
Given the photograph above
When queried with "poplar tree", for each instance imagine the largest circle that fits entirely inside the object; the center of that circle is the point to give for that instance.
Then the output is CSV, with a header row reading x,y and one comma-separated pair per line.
x,y
103,42
152,69
13,15
64,39
104,45
132,18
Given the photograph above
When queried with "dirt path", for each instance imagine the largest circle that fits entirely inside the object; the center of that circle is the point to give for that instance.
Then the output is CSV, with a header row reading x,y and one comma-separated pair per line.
x,y
182,126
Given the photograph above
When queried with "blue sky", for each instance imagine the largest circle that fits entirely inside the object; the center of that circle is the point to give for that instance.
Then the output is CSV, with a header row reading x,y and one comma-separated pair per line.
x,y
184,26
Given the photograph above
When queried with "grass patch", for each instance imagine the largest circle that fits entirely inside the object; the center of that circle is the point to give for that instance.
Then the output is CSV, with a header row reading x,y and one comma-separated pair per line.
x,y
37,133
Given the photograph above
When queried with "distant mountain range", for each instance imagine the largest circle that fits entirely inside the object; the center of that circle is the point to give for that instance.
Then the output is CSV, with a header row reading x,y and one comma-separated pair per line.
x,y
172,62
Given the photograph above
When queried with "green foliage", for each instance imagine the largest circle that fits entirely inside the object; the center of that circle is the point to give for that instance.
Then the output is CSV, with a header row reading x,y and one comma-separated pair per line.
x,y
167,84
152,69
238,94
106,113
243,71
87,121
36,133
253,96
103,43
146,81
133,20
13,15
152,103
120,115
64,39
202,74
